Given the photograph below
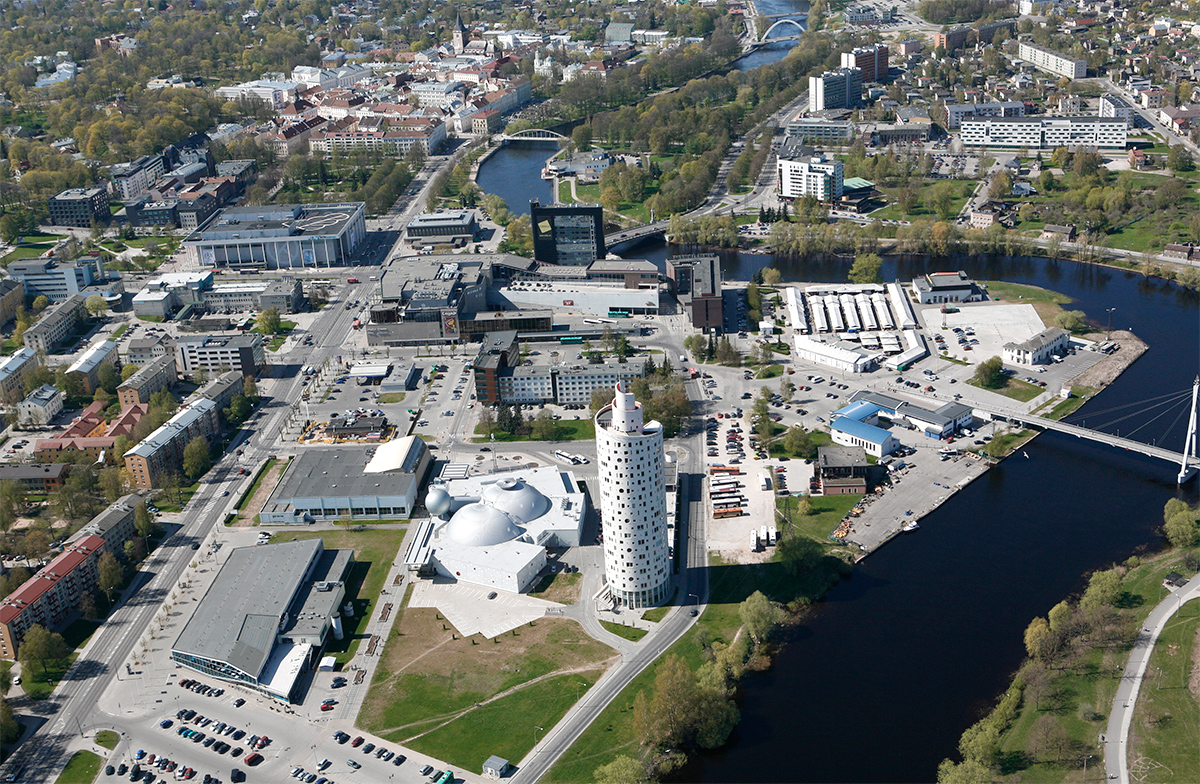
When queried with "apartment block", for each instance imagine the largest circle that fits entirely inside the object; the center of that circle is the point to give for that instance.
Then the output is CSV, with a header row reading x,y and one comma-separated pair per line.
x,y
955,112
58,280
243,353
161,453
159,374
114,525
79,207
871,60
40,406
13,371
12,296
1045,133
1051,61
99,354
840,89
52,595
58,322
39,478
144,350
811,175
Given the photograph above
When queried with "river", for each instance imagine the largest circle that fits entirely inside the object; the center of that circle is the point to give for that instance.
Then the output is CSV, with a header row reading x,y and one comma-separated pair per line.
x,y
773,53
514,173
879,683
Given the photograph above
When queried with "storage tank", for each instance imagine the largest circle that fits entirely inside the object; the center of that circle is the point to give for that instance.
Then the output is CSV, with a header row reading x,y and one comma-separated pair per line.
x,y
337,626
348,610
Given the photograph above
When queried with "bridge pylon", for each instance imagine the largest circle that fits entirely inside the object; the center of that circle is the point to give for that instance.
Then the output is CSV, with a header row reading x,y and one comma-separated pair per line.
x,y
1189,443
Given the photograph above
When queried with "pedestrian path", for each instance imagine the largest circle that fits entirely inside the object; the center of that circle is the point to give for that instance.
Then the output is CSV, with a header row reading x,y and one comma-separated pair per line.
x,y
1116,739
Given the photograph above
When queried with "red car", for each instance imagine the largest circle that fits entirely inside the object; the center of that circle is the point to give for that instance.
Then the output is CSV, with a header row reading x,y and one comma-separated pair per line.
x,y
358,741
326,707
253,759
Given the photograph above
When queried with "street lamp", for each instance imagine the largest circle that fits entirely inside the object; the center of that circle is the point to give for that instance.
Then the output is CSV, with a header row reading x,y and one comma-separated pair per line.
x,y
535,732
1085,762
690,595
1110,312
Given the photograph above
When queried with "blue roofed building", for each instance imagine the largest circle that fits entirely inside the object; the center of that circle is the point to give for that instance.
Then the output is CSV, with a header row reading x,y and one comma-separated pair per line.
x,y
871,439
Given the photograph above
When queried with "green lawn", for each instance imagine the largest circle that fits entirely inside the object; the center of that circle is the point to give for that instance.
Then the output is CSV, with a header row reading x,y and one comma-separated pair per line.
x,y
508,726
657,614
393,397
374,551
564,192
638,211
1015,389
829,510
1166,719
628,632
108,739
568,430
1020,293
893,211
176,502
771,371
119,331
38,680
82,768
1064,408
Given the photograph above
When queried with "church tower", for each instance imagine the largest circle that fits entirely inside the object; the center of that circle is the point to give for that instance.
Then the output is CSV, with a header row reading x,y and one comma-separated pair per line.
x,y
459,39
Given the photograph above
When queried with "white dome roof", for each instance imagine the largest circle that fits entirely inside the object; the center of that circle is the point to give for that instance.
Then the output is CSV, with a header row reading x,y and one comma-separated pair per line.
x,y
520,501
438,501
479,525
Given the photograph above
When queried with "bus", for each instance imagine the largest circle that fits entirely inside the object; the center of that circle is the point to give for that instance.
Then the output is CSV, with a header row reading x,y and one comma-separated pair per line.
x,y
571,339
445,778
618,313
723,513
566,457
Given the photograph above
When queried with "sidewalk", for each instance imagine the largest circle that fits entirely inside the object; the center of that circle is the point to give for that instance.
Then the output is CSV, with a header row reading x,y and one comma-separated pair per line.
x,y
1116,739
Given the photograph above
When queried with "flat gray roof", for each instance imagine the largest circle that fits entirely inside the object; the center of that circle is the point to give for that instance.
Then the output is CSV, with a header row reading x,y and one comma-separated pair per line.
x,y
337,472
237,620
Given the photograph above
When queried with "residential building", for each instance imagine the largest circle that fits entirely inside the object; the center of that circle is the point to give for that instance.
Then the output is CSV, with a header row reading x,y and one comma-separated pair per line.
x,y
101,353
637,564
842,470
131,179
12,296
221,389
58,322
13,370
144,350
57,279
1038,349
52,595
79,207
567,234
157,375
1045,133
872,61
811,175
1051,61
279,236
954,39
37,478
161,453
498,351
40,407
274,94
955,112
114,525
564,384
838,89
243,353
267,616
1118,107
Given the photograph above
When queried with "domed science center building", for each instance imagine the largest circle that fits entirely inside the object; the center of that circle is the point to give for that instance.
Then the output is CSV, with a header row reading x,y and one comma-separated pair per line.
x,y
633,505
493,530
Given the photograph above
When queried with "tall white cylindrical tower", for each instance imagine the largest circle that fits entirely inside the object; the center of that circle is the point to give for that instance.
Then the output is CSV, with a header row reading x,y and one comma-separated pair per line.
x,y
633,503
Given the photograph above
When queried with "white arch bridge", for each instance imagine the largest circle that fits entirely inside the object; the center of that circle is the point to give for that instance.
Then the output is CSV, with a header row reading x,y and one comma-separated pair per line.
x,y
532,133
765,37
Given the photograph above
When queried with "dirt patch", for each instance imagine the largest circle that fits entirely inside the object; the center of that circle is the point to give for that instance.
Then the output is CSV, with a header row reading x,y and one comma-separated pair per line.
x,y
1108,369
429,673
562,588
256,502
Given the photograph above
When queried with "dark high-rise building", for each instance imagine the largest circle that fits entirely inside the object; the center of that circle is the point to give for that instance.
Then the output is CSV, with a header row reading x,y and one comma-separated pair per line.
x,y
567,234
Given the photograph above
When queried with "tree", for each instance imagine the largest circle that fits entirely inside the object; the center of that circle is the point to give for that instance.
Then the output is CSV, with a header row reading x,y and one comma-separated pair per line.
x,y
798,443
990,374
1181,530
41,302
36,646
1059,616
1000,186
544,427
941,200
601,397
759,616
13,495
135,550
111,574
87,606
772,276
96,305
197,457
10,730
965,772
1179,159
269,322
1070,320
36,544
1037,634
866,269
127,371
622,770
143,523
1103,589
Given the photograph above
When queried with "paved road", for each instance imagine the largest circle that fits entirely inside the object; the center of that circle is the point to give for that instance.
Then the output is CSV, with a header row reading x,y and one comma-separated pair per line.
x,y
1116,739
73,707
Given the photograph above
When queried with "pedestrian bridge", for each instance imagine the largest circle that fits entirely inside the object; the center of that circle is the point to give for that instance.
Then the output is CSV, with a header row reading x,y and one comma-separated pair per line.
x,y
1188,464
532,133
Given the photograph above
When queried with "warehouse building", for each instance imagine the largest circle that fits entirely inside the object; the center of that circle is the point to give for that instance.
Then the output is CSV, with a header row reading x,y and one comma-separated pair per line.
x,y
279,236
939,287
350,483
267,616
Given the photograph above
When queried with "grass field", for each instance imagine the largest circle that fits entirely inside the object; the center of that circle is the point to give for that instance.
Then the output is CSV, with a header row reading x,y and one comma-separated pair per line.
x,y
508,726
1166,721
561,587
1015,389
38,680
1064,408
108,739
770,371
82,768
657,614
828,512
628,632
392,397
176,503
568,430
374,551
893,211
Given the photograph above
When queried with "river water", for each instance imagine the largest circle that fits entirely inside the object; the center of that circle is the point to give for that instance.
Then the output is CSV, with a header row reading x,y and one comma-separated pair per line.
x,y
514,173
880,681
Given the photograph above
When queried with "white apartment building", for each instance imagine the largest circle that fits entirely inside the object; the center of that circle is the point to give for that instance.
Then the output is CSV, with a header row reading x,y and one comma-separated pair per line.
x,y
1045,133
633,503
40,407
330,78
1116,106
956,112
563,384
13,370
838,89
1051,61
243,353
811,176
